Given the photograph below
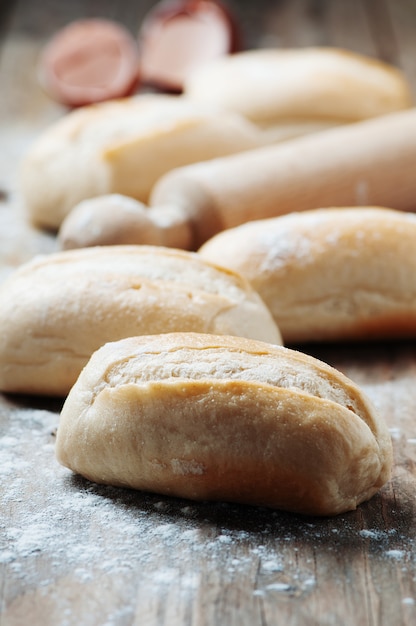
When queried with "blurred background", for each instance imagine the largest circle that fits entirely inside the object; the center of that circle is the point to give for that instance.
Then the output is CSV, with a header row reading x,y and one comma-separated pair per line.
x,y
383,29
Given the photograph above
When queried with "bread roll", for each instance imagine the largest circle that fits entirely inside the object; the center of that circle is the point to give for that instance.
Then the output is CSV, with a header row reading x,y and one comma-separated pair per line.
x,y
56,310
224,418
329,274
124,146
291,92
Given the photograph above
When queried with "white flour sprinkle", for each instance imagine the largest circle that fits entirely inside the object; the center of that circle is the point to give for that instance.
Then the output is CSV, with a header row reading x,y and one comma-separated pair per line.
x,y
372,534
396,554
54,525
278,587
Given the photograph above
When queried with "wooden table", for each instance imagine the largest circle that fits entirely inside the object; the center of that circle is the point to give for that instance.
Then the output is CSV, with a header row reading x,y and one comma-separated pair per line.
x,y
73,553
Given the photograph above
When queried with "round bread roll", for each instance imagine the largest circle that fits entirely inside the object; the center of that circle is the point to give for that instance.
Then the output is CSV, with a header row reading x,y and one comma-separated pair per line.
x,y
124,146
224,418
55,311
329,274
291,92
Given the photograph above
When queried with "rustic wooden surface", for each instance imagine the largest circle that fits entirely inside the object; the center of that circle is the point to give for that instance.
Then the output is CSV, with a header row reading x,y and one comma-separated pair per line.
x,y
72,553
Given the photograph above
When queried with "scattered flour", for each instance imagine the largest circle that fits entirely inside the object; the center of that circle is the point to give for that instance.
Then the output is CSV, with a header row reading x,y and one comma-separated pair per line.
x,y
54,525
396,554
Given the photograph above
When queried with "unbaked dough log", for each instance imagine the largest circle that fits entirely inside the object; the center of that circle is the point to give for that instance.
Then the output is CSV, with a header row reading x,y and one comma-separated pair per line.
x,y
222,418
291,92
56,310
124,146
329,274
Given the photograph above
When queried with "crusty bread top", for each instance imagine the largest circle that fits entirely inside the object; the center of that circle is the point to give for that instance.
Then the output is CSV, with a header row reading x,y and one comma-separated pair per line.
x,y
108,126
171,287
171,269
333,273
378,242
271,86
194,356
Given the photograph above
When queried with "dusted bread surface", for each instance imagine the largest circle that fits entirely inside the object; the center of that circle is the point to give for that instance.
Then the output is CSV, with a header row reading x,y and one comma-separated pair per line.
x,y
55,311
329,274
224,418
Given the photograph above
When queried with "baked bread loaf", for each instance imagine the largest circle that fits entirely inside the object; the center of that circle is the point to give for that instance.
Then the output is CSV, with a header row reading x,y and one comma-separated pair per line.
x,y
124,146
291,92
56,310
329,274
224,418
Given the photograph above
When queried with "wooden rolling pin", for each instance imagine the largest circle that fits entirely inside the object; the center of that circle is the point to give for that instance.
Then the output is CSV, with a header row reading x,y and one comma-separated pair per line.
x,y
366,163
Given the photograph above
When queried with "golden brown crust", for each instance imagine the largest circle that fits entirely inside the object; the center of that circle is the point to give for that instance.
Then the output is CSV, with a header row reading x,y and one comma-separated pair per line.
x,y
329,274
59,308
224,418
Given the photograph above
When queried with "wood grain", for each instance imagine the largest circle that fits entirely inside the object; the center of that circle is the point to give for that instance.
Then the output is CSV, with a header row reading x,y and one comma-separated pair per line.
x,y
74,553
